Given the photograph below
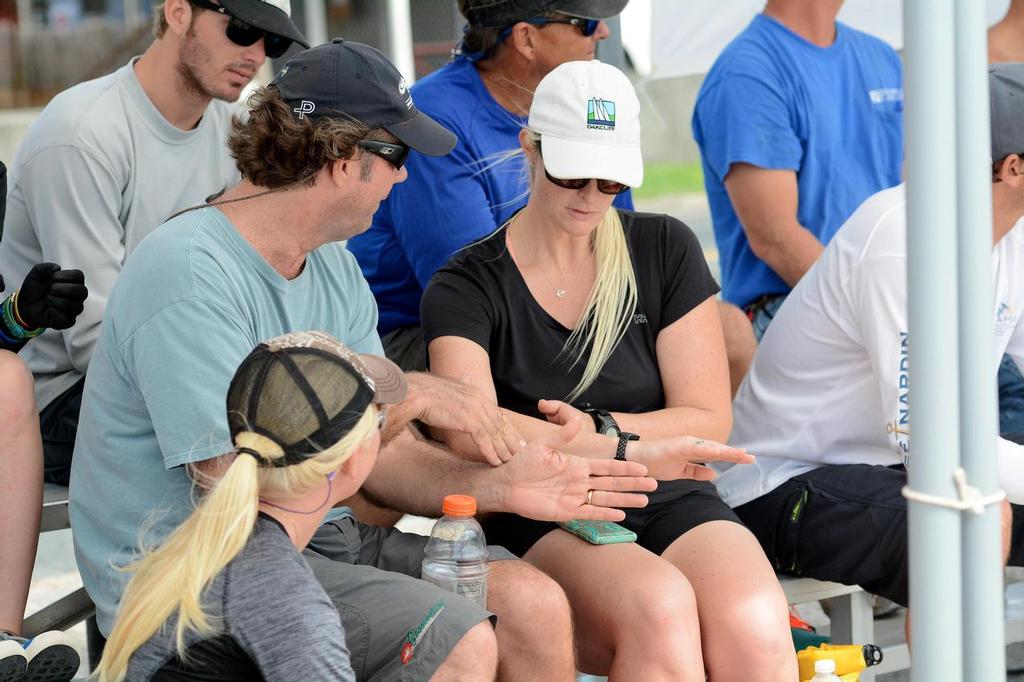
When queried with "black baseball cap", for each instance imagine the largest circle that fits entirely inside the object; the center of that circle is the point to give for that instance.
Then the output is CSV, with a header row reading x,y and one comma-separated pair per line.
x,y
349,80
305,391
504,13
273,16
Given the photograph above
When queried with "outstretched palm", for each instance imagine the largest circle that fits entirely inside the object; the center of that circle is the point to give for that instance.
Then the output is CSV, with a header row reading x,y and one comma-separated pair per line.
x,y
546,484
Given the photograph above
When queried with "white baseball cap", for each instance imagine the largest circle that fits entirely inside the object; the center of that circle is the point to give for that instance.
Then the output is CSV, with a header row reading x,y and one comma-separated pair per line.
x,y
588,118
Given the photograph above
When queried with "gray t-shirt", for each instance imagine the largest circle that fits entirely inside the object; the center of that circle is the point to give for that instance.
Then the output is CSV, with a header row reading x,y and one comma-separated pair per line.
x,y
193,300
98,170
270,604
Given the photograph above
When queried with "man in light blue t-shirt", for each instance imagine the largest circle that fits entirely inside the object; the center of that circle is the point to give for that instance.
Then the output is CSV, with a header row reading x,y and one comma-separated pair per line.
x,y
483,95
799,121
317,155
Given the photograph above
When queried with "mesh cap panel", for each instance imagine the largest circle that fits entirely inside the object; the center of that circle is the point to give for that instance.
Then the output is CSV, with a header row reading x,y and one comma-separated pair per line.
x,y
304,392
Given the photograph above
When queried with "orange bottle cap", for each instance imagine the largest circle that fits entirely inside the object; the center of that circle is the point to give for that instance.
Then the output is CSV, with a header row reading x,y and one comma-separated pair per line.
x,y
459,505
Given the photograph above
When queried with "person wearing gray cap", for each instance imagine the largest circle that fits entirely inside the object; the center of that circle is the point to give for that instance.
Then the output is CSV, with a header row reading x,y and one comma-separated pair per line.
x,y
483,95
318,150
825,405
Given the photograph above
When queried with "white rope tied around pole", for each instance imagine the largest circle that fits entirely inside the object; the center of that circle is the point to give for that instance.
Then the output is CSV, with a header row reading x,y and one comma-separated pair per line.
x,y
971,498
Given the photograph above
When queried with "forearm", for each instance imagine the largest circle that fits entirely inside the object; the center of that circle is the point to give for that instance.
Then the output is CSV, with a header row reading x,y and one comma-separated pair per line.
x,y
414,475
790,250
712,424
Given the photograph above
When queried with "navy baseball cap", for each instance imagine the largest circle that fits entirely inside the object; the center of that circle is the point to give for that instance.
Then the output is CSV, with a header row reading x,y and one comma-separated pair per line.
x,y
504,13
349,80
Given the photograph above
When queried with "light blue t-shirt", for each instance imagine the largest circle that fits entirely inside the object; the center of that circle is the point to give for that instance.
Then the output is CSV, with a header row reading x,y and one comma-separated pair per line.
x,y
832,114
192,301
448,201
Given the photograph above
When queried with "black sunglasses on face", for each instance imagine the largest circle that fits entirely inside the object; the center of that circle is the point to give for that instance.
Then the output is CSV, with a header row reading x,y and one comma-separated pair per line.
x,y
392,152
241,33
603,186
586,26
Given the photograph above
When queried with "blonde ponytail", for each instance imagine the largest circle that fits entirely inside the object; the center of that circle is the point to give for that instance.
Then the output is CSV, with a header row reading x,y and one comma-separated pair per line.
x,y
173,577
609,310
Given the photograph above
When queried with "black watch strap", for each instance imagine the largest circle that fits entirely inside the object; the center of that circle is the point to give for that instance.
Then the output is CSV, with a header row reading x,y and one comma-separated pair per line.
x,y
624,437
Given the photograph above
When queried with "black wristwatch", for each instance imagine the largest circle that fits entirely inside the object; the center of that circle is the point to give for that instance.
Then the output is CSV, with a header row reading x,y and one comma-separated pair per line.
x,y
620,449
604,422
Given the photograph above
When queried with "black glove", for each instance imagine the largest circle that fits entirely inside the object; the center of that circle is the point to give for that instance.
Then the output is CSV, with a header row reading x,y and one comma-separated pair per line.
x,y
50,297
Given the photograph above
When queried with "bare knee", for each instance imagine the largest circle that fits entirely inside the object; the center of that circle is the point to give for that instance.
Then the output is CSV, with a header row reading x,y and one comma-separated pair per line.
x,y
17,402
474,657
661,619
536,601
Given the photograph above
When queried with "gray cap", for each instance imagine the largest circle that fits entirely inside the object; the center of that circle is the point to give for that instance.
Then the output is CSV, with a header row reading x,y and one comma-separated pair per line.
x,y
504,13
1006,92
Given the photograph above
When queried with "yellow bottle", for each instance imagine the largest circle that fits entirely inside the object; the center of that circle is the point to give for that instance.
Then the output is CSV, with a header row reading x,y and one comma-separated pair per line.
x,y
850,659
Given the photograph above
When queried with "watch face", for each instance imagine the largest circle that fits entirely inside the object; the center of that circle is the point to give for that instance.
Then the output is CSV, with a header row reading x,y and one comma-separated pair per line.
x,y
612,430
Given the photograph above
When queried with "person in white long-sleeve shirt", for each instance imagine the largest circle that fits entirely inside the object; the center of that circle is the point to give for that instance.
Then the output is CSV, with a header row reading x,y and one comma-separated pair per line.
x,y
825,406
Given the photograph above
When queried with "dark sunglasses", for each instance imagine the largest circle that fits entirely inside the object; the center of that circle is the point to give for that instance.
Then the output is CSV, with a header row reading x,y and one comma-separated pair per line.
x,y
586,26
603,186
241,33
392,152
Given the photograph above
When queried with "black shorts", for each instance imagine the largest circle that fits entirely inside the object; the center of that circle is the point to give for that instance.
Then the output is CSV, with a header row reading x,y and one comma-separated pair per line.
x,y
845,523
58,424
673,509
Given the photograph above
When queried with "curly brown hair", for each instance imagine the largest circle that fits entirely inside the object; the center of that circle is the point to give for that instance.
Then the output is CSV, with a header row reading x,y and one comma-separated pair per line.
x,y
272,148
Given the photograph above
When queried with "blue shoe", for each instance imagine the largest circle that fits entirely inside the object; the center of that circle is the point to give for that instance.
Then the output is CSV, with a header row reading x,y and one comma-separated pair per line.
x,y
49,657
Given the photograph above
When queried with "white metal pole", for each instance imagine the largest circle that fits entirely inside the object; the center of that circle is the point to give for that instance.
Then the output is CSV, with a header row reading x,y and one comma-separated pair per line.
x,y
400,38
935,542
984,647
315,14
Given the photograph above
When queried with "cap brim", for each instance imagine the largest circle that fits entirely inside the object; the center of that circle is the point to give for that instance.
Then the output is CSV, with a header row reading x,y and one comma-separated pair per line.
x,y
264,15
569,159
423,134
388,379
591,9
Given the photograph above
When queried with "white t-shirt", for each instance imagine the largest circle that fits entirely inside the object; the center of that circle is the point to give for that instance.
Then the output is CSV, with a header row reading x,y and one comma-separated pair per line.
x,y
830,381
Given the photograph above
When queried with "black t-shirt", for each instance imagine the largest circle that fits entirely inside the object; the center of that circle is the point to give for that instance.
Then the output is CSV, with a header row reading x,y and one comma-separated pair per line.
x,y
480,295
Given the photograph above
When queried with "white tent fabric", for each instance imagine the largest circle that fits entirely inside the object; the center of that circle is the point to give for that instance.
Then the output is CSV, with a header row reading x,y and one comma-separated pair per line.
x,y
687,35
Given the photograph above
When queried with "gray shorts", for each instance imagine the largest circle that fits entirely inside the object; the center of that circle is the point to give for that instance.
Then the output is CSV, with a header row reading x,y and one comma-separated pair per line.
x,y
397,627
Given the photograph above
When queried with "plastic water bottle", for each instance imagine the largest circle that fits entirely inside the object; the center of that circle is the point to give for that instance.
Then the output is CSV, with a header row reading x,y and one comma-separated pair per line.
x,y
825,671
456,554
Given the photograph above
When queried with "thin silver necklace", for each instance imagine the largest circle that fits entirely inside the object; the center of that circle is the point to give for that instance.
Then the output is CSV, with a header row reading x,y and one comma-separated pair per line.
x,y
559,292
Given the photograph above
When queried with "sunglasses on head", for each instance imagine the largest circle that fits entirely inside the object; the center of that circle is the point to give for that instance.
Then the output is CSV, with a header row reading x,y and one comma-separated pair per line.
x,y
392,152
586,26
241,33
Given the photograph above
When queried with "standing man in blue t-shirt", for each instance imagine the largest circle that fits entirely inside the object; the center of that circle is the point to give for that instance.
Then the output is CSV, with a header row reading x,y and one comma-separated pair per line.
x,y
483,96
799,120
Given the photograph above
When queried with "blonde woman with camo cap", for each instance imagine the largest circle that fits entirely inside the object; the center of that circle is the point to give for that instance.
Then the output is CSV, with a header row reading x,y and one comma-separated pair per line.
x,y
228,594
612,313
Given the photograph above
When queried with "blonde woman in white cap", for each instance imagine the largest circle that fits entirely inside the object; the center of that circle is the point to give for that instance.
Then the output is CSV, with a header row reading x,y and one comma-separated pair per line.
x,y
613,313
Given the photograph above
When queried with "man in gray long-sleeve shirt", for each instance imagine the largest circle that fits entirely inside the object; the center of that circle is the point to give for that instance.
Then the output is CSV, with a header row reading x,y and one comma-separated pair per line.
x,y
109,160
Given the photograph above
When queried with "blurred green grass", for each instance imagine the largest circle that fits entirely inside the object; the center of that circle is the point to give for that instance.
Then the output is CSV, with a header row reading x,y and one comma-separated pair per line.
x,y
670,178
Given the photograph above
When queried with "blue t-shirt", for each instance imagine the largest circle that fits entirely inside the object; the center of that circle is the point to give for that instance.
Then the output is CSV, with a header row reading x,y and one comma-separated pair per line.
x,y
832,114
448,201
192,301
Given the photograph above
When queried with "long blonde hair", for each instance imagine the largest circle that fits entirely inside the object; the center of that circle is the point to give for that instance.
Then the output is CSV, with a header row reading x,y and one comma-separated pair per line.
x,y
612,302
171,579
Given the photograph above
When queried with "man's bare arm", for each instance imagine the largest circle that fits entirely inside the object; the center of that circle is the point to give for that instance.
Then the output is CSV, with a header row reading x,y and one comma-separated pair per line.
x,y
766,203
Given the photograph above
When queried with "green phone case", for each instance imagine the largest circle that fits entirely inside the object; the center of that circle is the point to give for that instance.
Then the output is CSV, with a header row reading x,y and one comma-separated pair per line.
x,y
599,532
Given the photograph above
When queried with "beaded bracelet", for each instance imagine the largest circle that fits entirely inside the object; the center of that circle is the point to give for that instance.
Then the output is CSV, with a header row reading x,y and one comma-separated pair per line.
x,y
11,321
